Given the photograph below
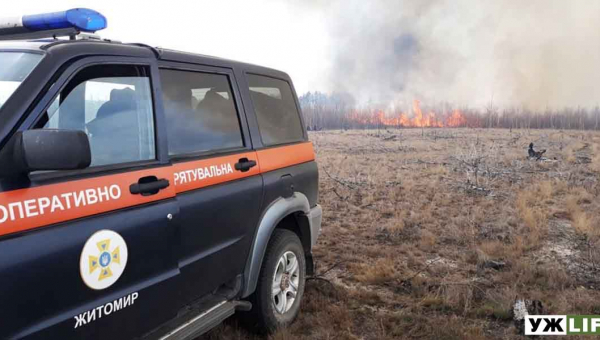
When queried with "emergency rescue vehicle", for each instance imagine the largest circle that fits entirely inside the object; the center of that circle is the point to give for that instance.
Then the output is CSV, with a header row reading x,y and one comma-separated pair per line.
x,y
146,193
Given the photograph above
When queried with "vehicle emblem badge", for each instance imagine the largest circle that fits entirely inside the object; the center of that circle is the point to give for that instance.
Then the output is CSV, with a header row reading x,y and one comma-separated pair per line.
x,y
103,259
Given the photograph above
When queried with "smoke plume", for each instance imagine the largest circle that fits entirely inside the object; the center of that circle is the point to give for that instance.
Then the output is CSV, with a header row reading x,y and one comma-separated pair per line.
x,y
533,54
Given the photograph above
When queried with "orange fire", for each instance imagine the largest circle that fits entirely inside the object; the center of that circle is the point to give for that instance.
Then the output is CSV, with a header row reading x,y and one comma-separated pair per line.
x,y
431,119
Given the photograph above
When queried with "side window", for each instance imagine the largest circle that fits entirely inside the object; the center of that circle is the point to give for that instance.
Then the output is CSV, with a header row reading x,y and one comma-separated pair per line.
x,y
113,106
200,112
276,111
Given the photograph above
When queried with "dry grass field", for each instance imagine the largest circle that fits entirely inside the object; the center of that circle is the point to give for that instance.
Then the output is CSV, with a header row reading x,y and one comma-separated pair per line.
x,y
435,234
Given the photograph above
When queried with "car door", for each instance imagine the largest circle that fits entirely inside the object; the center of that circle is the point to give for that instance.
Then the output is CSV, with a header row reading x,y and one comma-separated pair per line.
x,y
89,254
216,175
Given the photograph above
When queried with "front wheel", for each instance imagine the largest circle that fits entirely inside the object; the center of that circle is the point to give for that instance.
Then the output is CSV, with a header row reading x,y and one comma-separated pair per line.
x,y
276,301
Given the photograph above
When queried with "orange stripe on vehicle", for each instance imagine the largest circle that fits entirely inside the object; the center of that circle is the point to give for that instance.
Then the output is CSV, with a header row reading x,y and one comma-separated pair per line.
x,y
34,207
30,208
199,174
284,156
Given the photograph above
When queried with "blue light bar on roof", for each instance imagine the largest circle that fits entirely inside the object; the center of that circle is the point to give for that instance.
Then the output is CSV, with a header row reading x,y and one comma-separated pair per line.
x,y
71,21
83,19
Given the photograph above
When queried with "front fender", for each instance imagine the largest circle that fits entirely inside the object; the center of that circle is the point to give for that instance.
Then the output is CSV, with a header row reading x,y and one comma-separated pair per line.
x,y
275,212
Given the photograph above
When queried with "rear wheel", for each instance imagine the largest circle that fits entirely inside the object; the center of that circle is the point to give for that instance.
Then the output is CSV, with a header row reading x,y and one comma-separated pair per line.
x,y
276,301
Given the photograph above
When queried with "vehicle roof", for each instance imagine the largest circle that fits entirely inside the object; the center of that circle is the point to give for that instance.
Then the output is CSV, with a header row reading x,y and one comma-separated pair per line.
x,y
108,47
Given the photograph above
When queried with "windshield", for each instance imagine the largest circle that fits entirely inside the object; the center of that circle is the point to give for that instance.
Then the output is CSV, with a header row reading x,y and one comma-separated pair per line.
x,y
14,68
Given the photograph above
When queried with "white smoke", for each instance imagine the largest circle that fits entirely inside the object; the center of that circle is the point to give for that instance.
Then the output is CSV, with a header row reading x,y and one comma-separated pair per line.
x,y
535,53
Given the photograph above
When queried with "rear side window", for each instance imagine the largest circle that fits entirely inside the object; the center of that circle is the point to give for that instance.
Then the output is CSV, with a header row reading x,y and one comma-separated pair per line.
x,y
112,104
275,107
200,112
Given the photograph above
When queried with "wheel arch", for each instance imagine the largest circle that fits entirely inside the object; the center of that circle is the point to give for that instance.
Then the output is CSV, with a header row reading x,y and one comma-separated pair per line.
x,y
287,213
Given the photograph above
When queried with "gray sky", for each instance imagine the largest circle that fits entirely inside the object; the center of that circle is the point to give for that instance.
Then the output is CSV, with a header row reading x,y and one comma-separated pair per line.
x,y
533,53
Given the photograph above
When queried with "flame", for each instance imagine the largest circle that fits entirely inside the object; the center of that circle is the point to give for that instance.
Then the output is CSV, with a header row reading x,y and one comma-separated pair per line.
x,y
419,119
456,119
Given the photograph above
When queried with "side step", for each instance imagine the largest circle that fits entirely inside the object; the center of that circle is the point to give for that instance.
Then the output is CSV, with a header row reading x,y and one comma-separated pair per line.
x,y
207,320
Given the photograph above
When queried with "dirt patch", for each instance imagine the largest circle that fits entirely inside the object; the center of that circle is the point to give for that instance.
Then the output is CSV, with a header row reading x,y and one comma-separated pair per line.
x,y
561,246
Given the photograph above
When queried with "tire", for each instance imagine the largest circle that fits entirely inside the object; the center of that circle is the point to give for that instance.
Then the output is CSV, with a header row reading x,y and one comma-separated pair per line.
x,y
271,311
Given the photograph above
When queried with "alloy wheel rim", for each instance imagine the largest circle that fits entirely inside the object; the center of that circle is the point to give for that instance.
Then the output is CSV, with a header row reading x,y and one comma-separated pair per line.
x,y
285,282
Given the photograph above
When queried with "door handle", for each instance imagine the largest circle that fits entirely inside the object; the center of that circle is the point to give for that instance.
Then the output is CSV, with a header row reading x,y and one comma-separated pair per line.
x,y
244,164
149,185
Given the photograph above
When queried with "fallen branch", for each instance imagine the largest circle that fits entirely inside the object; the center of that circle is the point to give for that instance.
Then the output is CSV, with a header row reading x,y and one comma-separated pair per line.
x,y
340,196
337,180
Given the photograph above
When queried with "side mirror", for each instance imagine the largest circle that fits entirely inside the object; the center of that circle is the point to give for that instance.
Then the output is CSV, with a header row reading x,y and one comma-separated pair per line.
x,y
45,150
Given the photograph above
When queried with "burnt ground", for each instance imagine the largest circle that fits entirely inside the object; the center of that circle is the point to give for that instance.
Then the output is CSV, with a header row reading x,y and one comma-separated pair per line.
x,y
434,234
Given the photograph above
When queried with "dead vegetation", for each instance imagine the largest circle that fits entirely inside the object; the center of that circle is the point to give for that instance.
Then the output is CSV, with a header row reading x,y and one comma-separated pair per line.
x,y
436,234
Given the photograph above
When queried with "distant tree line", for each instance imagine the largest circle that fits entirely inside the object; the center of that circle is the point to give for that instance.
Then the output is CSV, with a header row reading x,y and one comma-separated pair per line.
x,y
340,111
